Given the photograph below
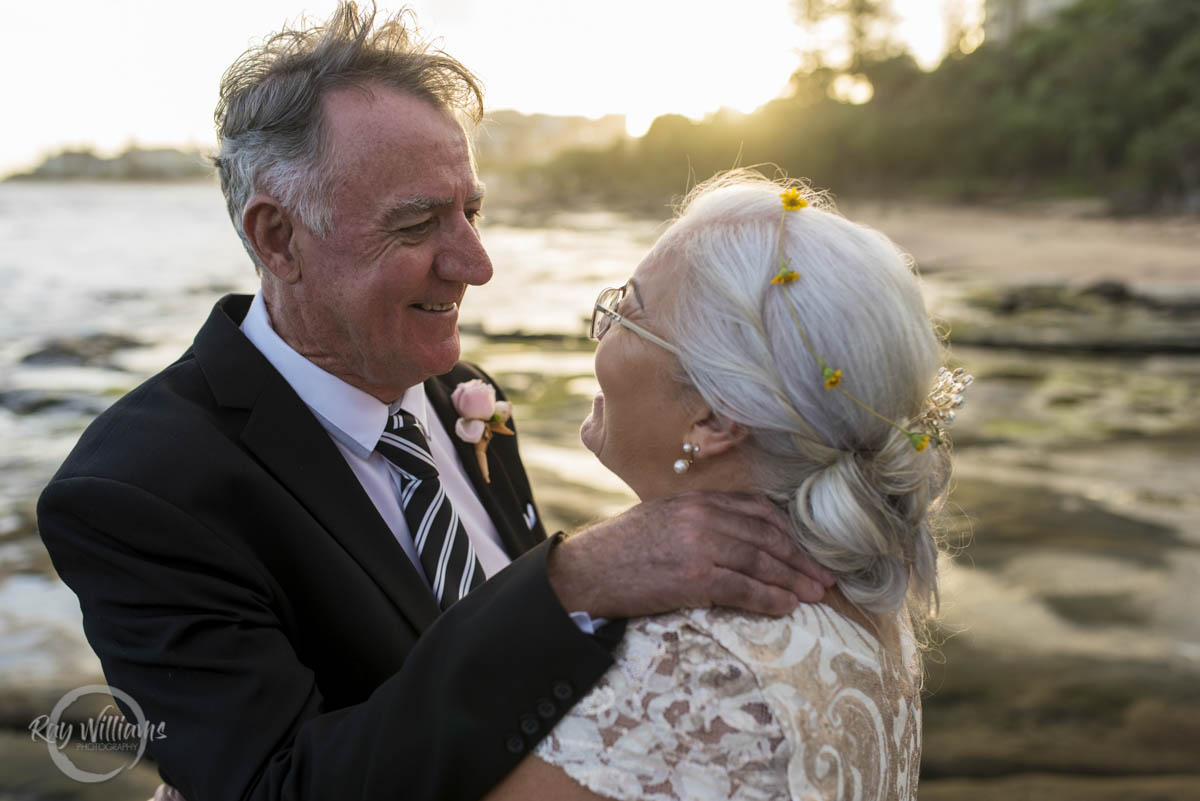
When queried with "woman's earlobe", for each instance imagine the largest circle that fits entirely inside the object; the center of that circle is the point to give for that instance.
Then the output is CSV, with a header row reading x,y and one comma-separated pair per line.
x,y
716,435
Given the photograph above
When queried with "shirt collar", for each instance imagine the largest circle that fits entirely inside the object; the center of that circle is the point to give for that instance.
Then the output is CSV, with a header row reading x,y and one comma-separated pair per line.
x,y
354,417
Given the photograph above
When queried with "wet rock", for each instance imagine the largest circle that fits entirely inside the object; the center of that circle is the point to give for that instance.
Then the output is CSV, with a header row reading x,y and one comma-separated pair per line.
x,y
1097,610
1110,291
27,773
19,523
1071,298
42,644
1105,317
1064,788
35,401
119,295
93,350
25,556
1006,523
215,289
990,714
1168,300
1013,300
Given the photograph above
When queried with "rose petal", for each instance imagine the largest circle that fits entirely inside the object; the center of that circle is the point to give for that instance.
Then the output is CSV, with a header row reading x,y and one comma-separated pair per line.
x,y
469,430
503,411
474,399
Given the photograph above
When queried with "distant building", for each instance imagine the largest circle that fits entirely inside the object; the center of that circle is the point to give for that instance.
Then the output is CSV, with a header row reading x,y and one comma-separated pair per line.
x,y
1003,18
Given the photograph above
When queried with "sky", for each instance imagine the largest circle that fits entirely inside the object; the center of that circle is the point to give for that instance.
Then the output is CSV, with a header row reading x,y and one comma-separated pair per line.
x,y
109,73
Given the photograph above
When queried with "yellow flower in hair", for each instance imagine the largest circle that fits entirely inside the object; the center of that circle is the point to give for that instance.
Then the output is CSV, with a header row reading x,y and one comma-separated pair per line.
x,y
786,275
793,200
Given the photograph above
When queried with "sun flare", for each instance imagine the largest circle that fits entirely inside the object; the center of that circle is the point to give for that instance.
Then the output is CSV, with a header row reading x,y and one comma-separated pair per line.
x,y
144,84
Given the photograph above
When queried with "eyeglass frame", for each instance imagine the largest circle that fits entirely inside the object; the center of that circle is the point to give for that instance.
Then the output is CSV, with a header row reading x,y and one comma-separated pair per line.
x,y
602,312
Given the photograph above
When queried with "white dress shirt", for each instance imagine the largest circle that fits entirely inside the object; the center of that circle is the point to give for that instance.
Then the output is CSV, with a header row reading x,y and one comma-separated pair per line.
x,y
355,421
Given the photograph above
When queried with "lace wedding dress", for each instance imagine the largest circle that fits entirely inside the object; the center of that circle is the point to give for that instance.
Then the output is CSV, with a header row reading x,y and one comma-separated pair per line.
x,y
715,704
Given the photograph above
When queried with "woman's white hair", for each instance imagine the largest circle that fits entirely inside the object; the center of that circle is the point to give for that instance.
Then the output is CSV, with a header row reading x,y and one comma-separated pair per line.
x,y
859,495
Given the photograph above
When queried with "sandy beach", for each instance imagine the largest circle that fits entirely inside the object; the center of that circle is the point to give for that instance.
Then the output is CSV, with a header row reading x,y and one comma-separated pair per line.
x,y
1063,241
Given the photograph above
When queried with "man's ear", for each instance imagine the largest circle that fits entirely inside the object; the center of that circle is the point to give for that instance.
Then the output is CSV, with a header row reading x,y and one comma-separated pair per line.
x,y
715,435
269,230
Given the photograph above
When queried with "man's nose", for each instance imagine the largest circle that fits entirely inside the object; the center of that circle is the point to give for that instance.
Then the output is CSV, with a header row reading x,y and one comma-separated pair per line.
x,y
464,259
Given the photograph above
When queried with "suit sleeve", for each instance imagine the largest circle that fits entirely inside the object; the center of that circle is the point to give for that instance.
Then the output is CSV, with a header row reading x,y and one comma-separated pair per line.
x,y
194,634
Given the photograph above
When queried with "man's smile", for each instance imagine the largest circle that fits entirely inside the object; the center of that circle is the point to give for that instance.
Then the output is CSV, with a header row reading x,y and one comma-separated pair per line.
x,y
435,307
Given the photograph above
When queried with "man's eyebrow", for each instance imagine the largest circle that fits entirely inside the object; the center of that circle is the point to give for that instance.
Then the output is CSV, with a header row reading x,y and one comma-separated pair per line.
x,y
417,205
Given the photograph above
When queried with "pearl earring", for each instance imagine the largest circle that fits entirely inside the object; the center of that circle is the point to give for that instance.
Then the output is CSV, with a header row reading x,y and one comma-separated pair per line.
x,y
690,450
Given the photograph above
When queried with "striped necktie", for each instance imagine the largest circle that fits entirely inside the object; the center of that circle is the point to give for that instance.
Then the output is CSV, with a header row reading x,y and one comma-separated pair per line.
x,y
441,541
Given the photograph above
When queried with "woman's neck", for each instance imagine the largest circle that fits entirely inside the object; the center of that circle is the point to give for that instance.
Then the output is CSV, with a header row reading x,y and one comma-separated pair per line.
x,y
883,627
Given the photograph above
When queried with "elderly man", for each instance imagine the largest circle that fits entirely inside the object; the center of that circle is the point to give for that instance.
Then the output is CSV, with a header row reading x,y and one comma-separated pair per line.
x,y
268,538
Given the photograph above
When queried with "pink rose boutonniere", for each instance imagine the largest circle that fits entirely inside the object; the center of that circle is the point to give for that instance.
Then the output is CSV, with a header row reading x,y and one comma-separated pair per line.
x,y
480,416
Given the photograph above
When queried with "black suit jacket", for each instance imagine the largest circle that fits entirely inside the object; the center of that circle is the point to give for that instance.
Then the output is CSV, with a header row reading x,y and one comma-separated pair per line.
x,y
238,583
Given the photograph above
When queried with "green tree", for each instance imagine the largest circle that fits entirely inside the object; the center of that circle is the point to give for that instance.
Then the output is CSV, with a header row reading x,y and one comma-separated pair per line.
x,y
847,34
1102,100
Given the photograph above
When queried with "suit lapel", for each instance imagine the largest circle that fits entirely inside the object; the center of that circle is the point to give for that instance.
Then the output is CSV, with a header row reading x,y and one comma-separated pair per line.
x,y
499,499
283,434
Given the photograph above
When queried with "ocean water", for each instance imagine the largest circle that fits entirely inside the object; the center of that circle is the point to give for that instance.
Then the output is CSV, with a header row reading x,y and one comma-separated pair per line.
x,y
84,258
1075,509
146,262
115,279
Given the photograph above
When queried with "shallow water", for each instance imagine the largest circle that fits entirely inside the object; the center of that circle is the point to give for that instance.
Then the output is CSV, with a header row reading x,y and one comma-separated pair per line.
x,y
1076,514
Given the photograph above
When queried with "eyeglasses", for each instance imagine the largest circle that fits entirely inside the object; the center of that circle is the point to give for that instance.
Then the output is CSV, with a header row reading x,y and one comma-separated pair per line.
x,y
605,314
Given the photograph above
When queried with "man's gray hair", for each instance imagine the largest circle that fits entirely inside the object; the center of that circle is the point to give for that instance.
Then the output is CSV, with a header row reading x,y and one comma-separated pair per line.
x,y
269,119
859,495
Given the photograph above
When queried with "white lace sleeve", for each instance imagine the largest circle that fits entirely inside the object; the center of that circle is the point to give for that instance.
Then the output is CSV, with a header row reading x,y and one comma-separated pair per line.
x,y
678,717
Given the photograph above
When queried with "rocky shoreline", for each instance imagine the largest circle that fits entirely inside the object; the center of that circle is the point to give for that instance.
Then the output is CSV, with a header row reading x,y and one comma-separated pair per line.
x,y
1068,664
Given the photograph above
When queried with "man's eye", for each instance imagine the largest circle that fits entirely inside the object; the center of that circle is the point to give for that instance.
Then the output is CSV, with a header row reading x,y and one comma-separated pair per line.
x,y
418,229
473,215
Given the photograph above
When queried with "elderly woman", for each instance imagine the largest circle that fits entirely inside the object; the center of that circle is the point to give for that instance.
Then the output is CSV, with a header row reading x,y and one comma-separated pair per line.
x,y
769,345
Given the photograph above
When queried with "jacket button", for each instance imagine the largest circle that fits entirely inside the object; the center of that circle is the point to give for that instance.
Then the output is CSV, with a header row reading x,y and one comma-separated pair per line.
x,y
561,690
546,708
514,744
529,724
